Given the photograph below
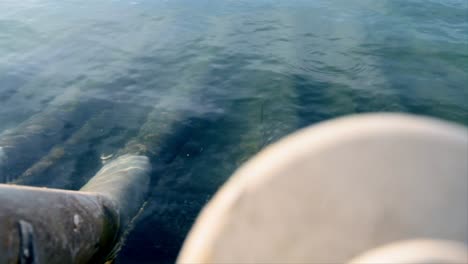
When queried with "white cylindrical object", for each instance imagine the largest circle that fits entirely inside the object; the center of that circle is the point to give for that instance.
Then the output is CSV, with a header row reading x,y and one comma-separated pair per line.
x,y
333,191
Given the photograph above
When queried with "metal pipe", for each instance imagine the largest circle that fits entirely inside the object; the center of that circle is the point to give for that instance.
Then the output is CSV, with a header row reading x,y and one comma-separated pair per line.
x,y
40,225
55,226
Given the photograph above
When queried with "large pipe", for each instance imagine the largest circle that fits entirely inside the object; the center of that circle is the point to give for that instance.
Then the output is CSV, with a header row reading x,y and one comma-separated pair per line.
x,y
75,142
97,136
24,145
40,225
110,200
55,226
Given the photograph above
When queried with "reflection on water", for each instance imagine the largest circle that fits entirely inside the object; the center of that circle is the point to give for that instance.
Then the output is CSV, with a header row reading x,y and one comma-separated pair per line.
x,y
201,86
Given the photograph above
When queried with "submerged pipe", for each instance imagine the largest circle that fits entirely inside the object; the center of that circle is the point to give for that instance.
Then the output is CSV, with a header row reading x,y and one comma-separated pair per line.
x,y
40,225
24,145
40,168
97,136
90,224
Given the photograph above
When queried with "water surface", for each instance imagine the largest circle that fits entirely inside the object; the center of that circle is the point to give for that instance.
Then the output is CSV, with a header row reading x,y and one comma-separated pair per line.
x,y
207,84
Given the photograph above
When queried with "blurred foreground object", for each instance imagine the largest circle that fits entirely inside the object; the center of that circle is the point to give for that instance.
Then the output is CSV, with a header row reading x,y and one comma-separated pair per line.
x,y
416,252
40,225
338,191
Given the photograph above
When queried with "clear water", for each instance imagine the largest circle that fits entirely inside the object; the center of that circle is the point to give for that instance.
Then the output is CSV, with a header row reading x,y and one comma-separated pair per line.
x,y
207,84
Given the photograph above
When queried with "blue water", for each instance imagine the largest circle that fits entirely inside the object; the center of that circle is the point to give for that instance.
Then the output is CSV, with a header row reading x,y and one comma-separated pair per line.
x,y
204,85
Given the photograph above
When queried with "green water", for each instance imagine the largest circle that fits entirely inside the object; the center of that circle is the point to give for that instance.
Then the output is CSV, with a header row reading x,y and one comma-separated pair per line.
x,y
204,85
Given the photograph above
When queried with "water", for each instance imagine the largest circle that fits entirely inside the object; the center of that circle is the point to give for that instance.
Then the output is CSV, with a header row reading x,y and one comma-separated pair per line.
x,y
207,84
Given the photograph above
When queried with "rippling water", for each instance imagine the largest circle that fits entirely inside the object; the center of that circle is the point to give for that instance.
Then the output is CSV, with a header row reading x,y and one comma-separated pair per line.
x,y
207,84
